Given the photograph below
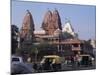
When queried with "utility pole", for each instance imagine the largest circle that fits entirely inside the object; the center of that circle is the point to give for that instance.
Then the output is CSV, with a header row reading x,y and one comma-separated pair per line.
x,y
36,53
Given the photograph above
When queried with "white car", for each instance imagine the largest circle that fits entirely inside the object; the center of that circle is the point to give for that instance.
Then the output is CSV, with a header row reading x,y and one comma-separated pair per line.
x,y
20,67
16,59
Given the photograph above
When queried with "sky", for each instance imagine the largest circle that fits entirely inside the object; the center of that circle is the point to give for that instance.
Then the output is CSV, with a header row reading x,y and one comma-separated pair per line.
x,y
82,17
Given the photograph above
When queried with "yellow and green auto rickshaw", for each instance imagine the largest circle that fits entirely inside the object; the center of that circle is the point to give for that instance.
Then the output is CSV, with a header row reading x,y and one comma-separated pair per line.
x,y
52,62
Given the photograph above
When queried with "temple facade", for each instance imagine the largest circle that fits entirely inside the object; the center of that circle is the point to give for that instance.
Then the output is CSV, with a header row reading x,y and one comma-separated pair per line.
x,y
52,34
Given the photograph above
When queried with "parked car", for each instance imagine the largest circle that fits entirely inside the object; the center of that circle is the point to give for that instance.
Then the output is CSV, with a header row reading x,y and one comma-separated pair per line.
x,y
16,59
19,67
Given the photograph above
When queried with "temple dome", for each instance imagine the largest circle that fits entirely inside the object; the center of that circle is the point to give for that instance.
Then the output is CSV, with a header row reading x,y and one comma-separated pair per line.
x,y
68,28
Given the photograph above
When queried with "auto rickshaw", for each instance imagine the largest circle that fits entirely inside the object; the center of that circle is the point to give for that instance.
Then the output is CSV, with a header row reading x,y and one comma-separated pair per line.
x,y
51,62
86,60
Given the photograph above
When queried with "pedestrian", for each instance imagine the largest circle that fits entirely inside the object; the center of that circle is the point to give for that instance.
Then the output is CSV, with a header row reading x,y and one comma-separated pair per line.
x,y
35,66
72,60
78,60
46,65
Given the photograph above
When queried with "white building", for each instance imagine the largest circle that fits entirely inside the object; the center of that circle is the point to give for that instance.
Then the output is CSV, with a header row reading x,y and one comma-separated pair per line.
x,y
69,29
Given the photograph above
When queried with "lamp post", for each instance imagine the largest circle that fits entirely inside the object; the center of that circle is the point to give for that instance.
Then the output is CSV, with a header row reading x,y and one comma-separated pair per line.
x,y
58,41
59,44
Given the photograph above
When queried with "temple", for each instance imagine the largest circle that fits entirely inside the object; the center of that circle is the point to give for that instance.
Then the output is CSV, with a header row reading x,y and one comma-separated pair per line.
x,y
57,39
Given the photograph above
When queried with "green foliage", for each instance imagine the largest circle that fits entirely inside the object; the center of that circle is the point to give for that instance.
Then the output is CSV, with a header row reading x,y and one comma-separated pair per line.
x,y
42,46
14,37
67,35
18,51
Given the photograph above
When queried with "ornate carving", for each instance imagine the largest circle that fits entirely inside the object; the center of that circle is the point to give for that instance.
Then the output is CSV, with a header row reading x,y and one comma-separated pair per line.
x,y
51,22
26,33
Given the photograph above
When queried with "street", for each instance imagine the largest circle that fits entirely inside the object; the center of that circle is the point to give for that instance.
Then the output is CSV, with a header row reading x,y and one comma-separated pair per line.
x,y
70,68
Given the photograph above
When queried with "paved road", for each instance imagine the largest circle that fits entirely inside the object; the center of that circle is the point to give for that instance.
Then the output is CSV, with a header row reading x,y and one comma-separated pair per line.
x,y
71,68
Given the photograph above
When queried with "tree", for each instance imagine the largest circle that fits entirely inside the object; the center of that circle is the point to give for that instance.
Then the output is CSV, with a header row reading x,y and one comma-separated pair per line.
x,y
14,38
88,47
67,35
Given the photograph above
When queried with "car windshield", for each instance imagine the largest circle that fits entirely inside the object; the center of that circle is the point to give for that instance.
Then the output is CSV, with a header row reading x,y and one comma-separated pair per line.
x,y
49,60
15,59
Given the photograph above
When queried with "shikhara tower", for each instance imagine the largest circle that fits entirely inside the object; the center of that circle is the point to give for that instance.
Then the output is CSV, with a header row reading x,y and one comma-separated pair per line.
x,y
51,22
27,31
